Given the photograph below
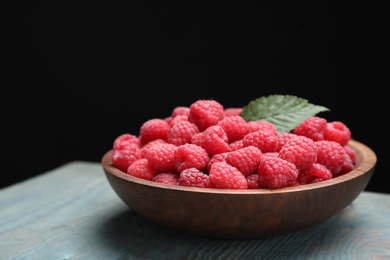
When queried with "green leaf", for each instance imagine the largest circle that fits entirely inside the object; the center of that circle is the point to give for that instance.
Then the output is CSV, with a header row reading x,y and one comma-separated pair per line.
x,y
284,111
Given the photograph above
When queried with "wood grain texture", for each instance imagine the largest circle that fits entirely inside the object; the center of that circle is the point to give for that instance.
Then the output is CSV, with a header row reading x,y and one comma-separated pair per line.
x,y
243,214
72,213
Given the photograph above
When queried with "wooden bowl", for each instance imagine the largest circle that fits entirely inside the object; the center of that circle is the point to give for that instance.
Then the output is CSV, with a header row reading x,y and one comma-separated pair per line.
x,y
242,214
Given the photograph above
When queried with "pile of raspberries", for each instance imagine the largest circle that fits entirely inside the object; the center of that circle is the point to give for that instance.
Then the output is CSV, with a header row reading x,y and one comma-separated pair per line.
x,y
207,146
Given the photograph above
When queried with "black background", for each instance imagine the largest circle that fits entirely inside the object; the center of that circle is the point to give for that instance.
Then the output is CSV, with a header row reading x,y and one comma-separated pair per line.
x,y
76,75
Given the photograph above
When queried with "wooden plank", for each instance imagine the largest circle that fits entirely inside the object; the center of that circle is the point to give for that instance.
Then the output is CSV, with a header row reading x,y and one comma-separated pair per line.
x,y
72,213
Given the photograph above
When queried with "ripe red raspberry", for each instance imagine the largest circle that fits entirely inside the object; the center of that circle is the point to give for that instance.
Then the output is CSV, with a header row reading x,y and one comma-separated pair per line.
x,y
246,160
330,154
220,157
320,173
313,128
276,173
305,177
254,126
190,156
145,148
253,181
192,177
316,173
351,153
283,139
166,178
294,183
346,167
124,140
182,132
271,154
154,129
337,132
300,151
161,157
180,111
232,111
265,140
205,113
225,176
234,126
142,169
214,140
168,120
124,157
177,119
236,145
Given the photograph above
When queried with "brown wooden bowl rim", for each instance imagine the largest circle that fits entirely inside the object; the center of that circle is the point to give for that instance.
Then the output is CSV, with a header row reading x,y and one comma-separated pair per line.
x,y
368,161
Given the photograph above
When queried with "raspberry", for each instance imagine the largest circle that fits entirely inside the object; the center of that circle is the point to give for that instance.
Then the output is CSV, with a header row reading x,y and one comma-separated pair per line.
x,y
283,139
330,154
123,158
320,173
265,140
177,119
190,156
161,157
206,139
142,169
351,153
205,113
232,111
145,148
254,126
214,140
192,177
316,173
234,126
221,157
182,132
180,111
246,160
276,173
154,129
337,132
346,167
294,183
313,127
166,178
305,177
236,145
125,139
271,154
253,181
300,151
225,176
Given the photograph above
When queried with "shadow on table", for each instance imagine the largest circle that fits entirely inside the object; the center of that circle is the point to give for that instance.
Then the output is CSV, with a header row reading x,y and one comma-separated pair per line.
x,y
129,235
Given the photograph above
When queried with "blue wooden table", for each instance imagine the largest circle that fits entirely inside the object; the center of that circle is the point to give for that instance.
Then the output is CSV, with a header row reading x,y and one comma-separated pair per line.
x,y
72,213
